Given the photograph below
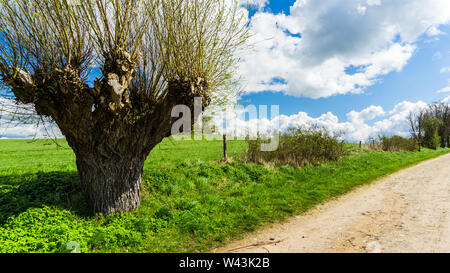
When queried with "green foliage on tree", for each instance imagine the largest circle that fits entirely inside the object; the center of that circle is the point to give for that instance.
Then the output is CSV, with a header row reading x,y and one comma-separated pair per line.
x,y
431,138
430,127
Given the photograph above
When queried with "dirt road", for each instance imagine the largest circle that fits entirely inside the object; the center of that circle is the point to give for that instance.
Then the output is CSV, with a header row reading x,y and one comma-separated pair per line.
x,y
405,212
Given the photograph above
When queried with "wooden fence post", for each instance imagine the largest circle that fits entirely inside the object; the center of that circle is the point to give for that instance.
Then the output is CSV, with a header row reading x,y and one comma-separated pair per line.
x,y
225,148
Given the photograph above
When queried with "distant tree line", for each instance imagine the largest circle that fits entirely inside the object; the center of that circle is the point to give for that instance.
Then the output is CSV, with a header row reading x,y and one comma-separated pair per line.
x,y
430,127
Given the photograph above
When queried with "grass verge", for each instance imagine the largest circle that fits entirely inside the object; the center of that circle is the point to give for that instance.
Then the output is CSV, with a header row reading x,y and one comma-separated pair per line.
x,y
191,202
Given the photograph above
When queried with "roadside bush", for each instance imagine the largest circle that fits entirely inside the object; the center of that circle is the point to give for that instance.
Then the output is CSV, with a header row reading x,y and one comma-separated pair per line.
x,y
299,147
397,144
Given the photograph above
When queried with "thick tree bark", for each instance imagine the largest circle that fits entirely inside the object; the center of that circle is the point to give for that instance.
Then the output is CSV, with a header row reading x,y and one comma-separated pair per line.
x,y
110,162
110,184
110,166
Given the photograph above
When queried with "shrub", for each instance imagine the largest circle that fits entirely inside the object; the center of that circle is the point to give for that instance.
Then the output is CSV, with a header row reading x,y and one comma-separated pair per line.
x,y
397,144
299,147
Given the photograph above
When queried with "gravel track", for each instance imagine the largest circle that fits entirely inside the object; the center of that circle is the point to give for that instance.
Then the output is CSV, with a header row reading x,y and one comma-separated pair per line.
x,y
408,211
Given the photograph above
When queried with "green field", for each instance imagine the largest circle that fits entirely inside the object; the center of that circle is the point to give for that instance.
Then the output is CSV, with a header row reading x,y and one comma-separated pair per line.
x,y
191,201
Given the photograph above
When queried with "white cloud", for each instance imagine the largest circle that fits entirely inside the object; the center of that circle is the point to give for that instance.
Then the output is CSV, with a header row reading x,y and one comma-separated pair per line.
x,y
445,69
29,126
446,100
359,125
312,51
361,9
434,31
355,129
366,115
445,89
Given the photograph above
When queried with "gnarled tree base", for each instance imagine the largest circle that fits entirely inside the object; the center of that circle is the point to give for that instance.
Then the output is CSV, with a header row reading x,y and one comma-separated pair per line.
x,y
109,186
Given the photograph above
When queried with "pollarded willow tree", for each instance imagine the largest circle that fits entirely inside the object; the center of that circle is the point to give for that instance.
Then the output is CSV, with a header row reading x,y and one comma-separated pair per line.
x,y
147,56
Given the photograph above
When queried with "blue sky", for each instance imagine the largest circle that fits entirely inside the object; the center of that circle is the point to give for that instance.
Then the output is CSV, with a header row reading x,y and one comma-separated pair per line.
x,y
353,66
417,81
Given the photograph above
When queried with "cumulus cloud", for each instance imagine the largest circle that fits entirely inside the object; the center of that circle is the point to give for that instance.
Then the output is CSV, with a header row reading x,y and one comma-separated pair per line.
x,y
366,115
20,121
325,48
358,127
446,89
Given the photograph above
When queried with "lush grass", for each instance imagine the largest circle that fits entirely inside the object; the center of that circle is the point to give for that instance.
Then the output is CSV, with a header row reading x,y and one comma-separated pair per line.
x,y
191,202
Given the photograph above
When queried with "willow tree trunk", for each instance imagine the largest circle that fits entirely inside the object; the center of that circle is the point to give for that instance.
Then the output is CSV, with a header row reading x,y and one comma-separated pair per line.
x,y
111,183
110,167
110,158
